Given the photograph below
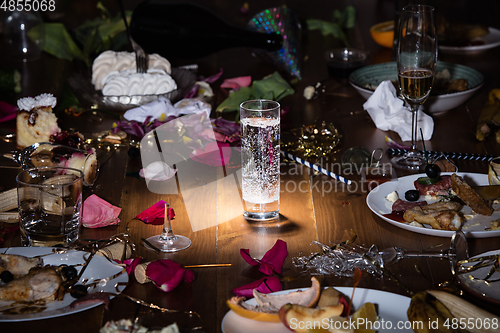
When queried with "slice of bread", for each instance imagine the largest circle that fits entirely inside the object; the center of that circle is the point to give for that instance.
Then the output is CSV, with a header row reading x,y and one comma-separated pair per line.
x,y
469,196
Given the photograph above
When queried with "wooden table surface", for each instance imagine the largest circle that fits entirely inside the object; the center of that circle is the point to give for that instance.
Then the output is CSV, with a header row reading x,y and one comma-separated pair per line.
x,y
312,207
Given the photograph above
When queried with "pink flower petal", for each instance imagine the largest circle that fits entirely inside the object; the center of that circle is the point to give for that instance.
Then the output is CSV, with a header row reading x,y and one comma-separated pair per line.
x,y
7,111
99,213
157,171
130,264
167,275
271,261
155,214
264,285
214,154
237,82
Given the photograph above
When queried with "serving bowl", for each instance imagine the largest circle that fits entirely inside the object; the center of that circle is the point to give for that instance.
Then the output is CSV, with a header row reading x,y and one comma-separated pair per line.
x,y
365,79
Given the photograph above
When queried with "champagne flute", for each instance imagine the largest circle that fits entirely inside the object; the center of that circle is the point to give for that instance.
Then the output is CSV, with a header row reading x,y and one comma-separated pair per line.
x,y
167,241
416,61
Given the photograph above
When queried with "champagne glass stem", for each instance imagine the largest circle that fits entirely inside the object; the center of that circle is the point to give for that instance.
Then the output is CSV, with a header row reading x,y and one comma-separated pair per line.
x,y
414,127
167,233
440,254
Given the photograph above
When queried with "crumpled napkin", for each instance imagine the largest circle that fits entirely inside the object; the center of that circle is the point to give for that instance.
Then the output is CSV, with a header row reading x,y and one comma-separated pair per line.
x,y
389,113
99,213
162,108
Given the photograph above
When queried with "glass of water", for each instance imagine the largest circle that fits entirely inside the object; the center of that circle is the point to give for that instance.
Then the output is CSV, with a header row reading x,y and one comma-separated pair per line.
x,y
260,159
50,206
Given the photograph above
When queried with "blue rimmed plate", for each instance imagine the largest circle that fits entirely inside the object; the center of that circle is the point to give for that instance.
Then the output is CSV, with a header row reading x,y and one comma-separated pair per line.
x,y
364,79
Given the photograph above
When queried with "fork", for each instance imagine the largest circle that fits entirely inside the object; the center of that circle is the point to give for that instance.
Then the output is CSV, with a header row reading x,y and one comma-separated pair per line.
x,y
141,57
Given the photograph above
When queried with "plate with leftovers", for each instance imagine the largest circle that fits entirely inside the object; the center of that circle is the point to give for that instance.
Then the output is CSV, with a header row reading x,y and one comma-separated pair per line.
x,y
478,282
476,45
474,225
391,310
454,84
99,268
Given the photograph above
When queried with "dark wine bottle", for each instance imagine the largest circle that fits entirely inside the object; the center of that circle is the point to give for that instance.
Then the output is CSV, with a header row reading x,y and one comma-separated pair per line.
x,y
185,30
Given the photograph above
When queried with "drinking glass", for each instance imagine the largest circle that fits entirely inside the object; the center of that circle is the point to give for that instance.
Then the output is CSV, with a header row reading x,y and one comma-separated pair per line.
x,y
260,159
23,35
167,241
50,206
416,61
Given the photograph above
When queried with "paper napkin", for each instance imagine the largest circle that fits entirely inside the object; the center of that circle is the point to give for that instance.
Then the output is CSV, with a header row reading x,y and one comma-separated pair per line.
x,y
389,113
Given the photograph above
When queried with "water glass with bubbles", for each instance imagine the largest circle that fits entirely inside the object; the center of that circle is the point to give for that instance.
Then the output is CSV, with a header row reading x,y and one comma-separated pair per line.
x,y
260,159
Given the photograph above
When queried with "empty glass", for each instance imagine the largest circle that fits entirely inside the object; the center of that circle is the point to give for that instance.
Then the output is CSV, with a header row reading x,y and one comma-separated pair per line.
x,y
23,35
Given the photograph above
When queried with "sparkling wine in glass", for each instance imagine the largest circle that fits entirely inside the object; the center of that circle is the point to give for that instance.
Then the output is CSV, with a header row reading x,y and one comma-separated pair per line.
x,y
416,62
167,241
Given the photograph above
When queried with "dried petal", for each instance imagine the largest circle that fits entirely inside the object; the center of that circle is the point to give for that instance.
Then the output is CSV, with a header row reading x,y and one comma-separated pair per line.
x,y
167,275
99,213
271,261
266,285
7,111
158,171
155,214
214,154
237,82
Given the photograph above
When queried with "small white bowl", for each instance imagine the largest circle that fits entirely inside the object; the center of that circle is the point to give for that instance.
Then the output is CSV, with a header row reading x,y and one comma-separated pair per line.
x,y
373,75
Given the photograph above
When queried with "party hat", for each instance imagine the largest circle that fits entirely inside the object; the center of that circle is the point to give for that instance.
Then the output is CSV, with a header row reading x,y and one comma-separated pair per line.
x,y
282,21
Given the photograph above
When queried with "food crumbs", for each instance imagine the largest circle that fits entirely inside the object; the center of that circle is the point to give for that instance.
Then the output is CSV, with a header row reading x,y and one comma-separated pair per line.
x,y
345,203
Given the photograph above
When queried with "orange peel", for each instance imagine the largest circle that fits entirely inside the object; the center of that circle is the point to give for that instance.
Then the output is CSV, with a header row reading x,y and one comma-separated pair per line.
x,y
383,33
268,305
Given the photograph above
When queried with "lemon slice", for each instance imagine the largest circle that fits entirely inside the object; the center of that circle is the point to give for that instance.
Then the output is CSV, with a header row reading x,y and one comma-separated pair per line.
x,y
366,315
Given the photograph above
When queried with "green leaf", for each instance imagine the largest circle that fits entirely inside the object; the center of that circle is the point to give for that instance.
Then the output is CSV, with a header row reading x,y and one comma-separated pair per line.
x,y
272,87
59,42
349,17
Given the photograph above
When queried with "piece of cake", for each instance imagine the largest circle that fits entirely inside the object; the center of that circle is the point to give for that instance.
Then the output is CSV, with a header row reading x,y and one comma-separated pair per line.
x,y
35,121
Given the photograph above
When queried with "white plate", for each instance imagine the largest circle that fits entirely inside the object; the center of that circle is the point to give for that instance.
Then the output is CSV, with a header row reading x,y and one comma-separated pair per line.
x,y
99,268
391,309
490,40
473,228
488,291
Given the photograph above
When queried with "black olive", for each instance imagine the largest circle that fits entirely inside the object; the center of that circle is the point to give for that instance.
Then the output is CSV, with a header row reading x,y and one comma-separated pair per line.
x,y
432,170
78,290
69,272
412,195
6,276
134,152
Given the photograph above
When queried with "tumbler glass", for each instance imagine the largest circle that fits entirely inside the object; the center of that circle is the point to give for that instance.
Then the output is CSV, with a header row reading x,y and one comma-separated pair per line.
x,y
50,206
260,159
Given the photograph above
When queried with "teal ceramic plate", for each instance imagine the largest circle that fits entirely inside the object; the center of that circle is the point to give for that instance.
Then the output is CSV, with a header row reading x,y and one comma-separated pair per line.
x,y
371,76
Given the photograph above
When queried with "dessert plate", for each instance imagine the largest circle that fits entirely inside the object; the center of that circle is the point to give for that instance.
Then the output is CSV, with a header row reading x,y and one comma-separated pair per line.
x,y
490,41
98,268
81,84
391,310
474,281
473,227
